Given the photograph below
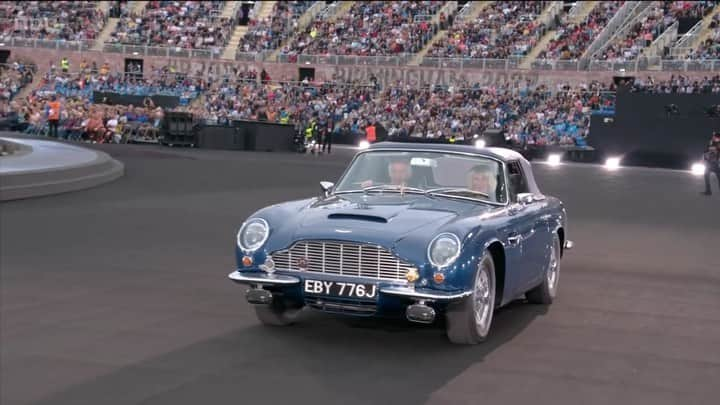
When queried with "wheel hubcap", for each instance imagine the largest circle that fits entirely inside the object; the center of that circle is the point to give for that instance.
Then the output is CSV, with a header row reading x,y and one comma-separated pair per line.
x,y
483,292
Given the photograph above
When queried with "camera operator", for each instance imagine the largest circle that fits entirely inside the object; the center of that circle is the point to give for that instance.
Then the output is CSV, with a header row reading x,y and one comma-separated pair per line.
x,y
712,162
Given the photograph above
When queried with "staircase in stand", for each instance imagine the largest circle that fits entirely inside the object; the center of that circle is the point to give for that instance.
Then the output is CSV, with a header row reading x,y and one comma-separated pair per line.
x,y
540,46
418,58
238,34
477,7
587,7
108,29
137,7
706,31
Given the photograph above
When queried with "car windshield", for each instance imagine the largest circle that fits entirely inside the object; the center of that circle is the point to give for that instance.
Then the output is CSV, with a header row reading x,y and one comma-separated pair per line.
x,y
432,173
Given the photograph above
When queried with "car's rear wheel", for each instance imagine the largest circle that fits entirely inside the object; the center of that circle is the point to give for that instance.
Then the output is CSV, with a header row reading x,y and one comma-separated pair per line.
x,y
279,312
545,293
468,321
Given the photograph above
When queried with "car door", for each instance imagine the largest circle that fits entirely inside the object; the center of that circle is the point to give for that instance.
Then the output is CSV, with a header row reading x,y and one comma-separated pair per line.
x,y
527,233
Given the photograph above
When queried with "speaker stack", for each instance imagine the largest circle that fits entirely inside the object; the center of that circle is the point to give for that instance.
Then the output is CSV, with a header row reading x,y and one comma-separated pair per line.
x,y
179,129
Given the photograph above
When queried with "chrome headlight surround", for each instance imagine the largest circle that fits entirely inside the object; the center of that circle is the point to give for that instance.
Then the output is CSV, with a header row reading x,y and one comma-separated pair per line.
x,y
443,250
258,229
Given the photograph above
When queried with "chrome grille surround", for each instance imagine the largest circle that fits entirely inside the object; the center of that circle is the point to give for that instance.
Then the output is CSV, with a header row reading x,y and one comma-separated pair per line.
x,y
342,258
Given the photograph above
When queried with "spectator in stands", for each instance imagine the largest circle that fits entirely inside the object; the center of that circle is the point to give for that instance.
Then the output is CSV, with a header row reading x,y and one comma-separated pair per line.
x,y
188,25
370,28
503,29
572,40
61,20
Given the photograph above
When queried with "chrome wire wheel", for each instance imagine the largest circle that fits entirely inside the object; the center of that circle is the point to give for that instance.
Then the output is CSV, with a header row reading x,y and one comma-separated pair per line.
x,y
553,271
483,297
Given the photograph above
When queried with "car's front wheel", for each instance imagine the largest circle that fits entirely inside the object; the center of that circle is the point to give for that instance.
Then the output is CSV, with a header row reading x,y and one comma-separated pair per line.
x,y
545,293
468,321
279,312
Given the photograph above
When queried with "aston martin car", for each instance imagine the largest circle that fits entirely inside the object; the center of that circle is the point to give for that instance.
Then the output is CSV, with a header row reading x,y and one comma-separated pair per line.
x,y
415,231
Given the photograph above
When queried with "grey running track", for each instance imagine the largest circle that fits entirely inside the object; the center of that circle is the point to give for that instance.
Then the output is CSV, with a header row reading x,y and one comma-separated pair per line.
x,y
119,295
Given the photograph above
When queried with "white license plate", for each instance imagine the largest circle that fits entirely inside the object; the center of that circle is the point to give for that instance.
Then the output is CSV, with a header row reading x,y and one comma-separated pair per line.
x,y
340,289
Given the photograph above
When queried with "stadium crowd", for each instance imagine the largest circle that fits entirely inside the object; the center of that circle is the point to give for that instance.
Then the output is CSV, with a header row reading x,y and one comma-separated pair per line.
x,y
370,28
187,24
13,77
573,39
528,113
661,15
269,33
503,29
709,49
51,20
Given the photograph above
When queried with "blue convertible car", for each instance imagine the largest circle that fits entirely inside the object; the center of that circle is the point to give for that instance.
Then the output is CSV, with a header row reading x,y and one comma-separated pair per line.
x,y
412,229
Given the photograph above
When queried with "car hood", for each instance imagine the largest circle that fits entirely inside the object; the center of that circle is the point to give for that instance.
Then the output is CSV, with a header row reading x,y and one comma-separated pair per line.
x,y
383,219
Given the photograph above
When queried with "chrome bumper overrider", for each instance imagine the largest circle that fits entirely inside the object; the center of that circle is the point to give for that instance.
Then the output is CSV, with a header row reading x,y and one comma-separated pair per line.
x,y
422,294
263,278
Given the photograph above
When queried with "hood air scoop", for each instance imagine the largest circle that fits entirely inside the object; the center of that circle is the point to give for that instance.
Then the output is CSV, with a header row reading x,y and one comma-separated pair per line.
x,y
356,217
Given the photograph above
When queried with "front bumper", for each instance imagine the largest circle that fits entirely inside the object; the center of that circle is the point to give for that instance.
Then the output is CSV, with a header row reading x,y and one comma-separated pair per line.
x,y
263,278
409,292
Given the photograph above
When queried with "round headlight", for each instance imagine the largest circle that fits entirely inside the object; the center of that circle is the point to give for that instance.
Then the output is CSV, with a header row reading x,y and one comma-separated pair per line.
x,y
253,234
444,250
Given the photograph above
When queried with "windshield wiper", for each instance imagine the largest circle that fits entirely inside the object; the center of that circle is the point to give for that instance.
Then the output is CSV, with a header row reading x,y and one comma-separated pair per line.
x,y
392,187
455,190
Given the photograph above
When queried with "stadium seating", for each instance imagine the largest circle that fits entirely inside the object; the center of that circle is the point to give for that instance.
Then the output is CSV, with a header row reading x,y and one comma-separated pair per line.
x,y
370,28
573,39
710,47
51,20
13,78
660,17
187,24
503,29
269,33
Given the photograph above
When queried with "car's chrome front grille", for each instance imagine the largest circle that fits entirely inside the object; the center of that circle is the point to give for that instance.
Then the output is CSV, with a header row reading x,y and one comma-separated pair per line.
x,y
342,258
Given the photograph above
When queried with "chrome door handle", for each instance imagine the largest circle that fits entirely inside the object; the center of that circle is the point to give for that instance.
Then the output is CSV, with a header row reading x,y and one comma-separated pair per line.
x,y
514,239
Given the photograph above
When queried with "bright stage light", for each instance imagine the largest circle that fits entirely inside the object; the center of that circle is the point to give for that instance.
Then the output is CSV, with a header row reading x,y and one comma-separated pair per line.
x,y
480,143
612,163
698,169
363,145
554,159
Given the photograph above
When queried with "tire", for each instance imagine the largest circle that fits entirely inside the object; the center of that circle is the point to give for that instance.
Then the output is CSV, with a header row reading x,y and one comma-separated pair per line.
x,y
278,313
468,321
545,293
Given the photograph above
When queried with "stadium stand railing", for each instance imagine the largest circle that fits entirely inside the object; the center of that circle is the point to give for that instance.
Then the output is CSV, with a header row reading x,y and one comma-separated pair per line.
x,y
684,45
619,23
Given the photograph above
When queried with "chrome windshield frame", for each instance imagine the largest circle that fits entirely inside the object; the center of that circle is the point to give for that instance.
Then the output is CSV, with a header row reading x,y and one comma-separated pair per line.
x,y
443,152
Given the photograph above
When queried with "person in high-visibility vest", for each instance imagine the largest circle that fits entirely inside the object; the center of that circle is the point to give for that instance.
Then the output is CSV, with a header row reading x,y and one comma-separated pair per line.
x,y
452,139
310,130
65,65
284,117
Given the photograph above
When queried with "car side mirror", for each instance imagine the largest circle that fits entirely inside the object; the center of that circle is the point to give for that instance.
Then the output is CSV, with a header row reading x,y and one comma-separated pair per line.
x,y
525,198
326,187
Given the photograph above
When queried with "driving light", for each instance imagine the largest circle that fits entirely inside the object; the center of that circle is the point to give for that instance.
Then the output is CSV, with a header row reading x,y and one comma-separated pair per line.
x,y
438,278
554,159
444,250
253,234
698,169
480,143
363,145
268,266
412,275
612,163
247,261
